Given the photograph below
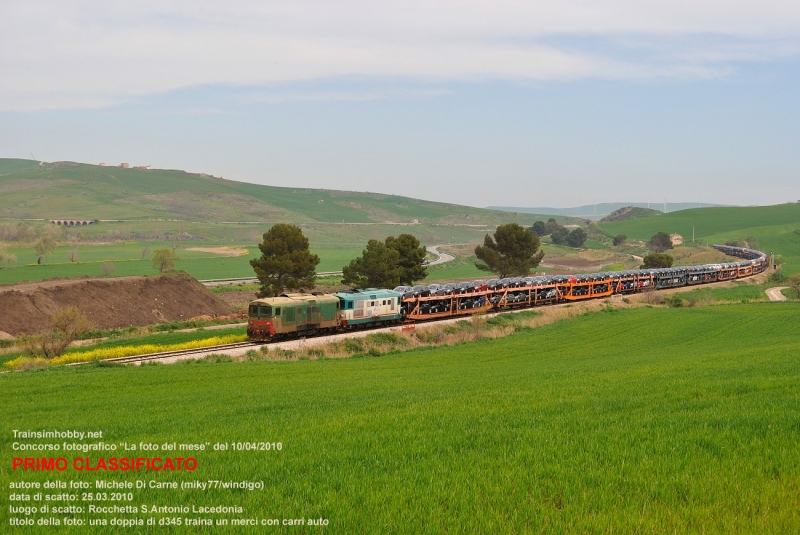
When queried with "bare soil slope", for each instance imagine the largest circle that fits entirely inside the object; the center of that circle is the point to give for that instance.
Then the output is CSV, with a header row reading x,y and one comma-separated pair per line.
x,y
108,303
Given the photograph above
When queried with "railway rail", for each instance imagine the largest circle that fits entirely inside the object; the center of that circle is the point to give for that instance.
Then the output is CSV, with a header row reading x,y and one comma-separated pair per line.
x,y
139,359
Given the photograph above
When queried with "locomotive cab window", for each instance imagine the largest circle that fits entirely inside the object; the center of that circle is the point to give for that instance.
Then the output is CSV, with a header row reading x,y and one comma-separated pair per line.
x,y
277,311
253,312
266,311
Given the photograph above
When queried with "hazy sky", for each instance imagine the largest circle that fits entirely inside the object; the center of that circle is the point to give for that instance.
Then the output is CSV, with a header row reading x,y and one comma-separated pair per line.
x,y
555,103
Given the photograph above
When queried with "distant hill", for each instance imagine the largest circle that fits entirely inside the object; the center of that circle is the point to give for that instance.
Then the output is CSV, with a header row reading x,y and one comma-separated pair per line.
x,y
629,212
595,212
33,190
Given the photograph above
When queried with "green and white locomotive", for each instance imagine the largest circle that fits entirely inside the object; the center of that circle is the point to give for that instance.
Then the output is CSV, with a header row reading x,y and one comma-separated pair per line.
x,y
368,308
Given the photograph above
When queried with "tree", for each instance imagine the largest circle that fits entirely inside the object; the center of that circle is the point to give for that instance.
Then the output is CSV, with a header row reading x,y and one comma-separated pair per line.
x,y
576,237
73,255
108,268
559,235
513,251
660,242
46,243
286,262
145,252
794,283
378,266
7,258
164,259
539,228
657,260
68,325
619,239
412,255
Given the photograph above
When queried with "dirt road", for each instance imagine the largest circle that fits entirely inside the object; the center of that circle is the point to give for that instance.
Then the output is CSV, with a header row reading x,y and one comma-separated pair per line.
x,y
443,257
775,294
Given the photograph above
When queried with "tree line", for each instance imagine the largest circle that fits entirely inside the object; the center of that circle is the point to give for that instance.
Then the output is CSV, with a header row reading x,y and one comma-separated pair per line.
x,y
286,262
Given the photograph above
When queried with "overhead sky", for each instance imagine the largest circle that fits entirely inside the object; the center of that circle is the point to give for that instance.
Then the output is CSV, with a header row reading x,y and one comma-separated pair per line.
x,y
557,103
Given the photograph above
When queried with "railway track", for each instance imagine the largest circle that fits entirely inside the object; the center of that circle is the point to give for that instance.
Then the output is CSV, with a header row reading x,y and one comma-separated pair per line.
x,y
139,359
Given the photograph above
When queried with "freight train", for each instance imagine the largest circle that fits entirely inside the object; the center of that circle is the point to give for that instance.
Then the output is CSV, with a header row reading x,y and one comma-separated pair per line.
x,y
295,314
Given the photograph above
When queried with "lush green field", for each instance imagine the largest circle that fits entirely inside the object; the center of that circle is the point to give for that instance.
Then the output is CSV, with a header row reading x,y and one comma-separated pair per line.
x,y
637,421
127,258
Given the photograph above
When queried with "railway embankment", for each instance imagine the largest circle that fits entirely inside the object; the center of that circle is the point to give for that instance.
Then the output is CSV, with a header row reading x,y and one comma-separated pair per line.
x,y
108,303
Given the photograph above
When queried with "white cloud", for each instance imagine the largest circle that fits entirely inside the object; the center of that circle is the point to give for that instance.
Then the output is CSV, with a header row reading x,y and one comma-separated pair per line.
x,y
65,54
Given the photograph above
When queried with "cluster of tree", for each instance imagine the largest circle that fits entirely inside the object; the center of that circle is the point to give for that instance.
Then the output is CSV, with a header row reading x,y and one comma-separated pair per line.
x,y
513,251
657,260
22,231
68,324
540,228
560,235
387,264
619,239
660,242
286,262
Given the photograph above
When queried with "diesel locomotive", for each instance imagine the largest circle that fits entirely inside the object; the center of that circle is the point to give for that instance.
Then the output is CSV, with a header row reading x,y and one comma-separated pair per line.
x,y
295,314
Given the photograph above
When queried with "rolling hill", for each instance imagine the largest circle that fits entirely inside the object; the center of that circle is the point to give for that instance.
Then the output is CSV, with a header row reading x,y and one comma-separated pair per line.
x,y
31,190
598,211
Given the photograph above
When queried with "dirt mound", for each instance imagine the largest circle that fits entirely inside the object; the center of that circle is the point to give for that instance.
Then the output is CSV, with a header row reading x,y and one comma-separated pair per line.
x,y
108,303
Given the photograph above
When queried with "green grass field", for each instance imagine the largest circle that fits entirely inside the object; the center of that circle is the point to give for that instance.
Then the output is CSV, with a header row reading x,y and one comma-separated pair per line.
x,y
127,258
637,421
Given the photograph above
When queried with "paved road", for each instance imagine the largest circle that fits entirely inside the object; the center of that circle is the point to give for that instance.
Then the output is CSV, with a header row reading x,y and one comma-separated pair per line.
x,y
775,294
443,257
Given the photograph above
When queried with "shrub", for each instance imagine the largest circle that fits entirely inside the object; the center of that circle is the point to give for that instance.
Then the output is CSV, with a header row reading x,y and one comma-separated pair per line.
x,y
354,345
69,324
619,239
657,260
778,277
252,354
316,353
108,268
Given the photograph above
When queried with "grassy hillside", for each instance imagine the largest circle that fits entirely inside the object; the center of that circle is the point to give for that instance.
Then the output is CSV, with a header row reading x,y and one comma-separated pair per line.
x,y
599,210
597,424
142,209
773,227
72,190
707,221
